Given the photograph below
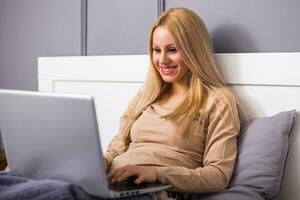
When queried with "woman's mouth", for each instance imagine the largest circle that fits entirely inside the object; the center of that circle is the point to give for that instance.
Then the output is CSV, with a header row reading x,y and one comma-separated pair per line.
x,y
167,70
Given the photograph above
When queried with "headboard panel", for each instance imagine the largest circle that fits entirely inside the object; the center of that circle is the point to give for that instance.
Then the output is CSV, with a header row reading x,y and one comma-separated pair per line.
x,y
266,83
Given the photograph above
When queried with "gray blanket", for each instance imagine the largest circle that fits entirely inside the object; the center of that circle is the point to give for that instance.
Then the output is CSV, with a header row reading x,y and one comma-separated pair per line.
x,y
14,187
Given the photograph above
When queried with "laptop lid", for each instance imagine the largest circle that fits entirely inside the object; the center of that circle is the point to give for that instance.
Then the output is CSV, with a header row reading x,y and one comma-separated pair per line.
x,y
55,136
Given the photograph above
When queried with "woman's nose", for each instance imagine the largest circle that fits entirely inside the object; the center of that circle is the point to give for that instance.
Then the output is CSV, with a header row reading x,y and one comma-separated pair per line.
x,y
164,59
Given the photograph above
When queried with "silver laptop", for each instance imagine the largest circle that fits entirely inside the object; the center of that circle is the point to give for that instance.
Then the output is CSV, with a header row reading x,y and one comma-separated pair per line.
x,y
55,136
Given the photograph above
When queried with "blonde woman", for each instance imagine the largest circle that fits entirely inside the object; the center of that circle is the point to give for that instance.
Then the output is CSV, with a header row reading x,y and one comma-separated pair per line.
x,y
183,125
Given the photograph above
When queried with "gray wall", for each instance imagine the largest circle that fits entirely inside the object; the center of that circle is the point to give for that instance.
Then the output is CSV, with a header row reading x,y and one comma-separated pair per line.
x,y
33,28
249,25
119,27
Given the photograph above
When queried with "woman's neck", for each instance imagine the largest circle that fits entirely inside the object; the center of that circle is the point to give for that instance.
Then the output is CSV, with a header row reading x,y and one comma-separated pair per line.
x,y
175,96
179,89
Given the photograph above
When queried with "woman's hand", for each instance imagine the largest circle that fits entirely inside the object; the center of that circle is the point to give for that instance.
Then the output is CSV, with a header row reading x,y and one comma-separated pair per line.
x,y
142,174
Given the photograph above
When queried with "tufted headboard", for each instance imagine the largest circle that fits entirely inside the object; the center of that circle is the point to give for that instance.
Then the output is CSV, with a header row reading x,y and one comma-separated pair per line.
x,y
266,83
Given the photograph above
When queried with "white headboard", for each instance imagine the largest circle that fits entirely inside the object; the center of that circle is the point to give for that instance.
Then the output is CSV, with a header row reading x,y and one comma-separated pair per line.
x,y
266,83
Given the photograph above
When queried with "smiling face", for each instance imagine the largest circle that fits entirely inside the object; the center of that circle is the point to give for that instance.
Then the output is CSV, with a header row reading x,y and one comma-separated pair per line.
x,y
166,58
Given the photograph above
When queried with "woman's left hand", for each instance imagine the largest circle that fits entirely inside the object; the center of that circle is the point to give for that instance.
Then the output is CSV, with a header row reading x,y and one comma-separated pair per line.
x,y
141,174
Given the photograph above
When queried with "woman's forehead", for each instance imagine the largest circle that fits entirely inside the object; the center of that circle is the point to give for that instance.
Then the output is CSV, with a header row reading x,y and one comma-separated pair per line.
x,y
162,35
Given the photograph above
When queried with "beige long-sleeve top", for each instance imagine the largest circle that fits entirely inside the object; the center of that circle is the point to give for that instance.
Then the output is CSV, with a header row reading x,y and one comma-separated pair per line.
x,y
204,163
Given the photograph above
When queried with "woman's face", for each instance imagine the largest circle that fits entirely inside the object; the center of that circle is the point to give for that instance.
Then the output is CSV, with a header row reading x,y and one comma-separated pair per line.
x,y
166,58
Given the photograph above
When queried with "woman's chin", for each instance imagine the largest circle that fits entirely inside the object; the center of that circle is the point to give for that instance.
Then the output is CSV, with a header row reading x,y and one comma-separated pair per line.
x,y
169,79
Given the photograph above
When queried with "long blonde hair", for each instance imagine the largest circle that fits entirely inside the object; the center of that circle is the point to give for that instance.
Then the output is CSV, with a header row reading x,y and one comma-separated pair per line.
x,y
192,41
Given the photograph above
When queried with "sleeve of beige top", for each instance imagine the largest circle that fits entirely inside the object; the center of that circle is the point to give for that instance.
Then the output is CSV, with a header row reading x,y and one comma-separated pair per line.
x,y
117,145
219,155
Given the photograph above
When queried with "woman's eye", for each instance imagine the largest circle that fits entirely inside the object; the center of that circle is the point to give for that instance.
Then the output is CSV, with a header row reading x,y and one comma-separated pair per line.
x,y
156,50
172,50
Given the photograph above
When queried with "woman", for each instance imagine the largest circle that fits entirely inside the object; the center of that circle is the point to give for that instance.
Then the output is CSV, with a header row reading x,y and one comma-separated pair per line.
x,y
182,127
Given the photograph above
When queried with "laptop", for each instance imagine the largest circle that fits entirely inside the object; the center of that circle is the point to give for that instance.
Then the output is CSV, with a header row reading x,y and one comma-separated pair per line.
x,y
56,136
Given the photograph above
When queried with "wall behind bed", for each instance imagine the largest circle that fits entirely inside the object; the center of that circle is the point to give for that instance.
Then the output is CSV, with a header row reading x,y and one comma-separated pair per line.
x,y
91,27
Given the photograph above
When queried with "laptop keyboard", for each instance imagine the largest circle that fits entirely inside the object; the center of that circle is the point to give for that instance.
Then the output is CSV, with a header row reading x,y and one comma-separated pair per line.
x,y
124,186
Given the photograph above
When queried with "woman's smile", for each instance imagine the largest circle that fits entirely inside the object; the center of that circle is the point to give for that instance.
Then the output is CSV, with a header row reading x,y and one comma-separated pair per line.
x,y
168,70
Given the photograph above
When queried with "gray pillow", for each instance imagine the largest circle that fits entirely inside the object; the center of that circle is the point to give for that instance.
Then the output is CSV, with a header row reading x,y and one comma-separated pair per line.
x,y
262,154
234,193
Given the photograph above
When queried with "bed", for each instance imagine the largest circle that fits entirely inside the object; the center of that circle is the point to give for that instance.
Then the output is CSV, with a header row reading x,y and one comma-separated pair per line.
x,y
266,83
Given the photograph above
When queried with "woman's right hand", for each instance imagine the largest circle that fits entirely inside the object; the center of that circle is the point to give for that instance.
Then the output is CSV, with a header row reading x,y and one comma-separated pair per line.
x,y
142,173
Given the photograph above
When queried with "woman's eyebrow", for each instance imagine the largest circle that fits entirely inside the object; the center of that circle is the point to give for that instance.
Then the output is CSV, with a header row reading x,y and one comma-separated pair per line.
x,y
168,45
